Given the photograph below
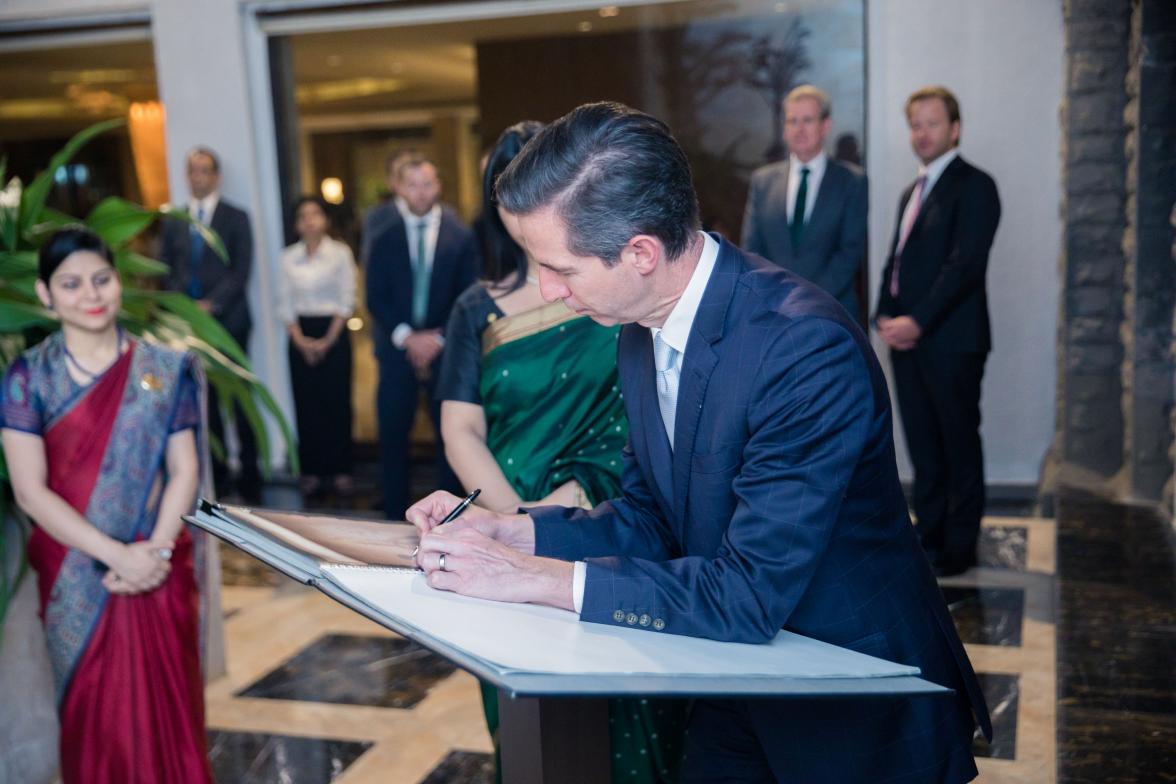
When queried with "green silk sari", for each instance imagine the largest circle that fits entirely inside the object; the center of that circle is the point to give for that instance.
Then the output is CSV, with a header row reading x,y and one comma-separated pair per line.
x,y
554,412
553,407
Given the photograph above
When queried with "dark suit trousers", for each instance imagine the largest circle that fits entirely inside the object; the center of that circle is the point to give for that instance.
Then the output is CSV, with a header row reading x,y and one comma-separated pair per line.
x,y
396,406
939,396
250,475
766,741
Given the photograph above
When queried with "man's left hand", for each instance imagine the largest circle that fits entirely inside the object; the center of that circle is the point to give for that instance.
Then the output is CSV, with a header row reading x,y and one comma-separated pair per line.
x,y
901,333
476,565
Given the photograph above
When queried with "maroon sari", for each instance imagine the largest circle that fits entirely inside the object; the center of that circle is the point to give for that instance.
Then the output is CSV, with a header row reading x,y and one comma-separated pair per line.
x,y
128,672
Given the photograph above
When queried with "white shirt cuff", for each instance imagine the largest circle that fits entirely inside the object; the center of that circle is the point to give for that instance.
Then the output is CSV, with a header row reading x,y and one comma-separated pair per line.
x,y
400,335
579,575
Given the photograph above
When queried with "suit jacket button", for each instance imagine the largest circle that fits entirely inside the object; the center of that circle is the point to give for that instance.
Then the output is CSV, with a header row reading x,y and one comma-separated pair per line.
x,y
619,616
658,624
644,619
631,618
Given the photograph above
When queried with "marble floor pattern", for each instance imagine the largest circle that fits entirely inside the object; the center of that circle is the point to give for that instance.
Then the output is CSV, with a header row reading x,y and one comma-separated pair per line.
x,y
316,693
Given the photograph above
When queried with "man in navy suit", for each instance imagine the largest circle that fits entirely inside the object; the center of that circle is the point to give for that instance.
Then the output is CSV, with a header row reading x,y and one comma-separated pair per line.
x,y
423,258
219,286
933,313
808,213
760,487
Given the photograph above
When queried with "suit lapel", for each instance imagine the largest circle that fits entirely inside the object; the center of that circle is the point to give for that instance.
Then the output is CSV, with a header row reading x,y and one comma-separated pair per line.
x,y
938,192
697,367
830,185
652,431
443,256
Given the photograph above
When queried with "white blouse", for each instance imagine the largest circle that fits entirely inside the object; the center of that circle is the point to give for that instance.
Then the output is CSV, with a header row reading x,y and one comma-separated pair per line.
x,y
318,284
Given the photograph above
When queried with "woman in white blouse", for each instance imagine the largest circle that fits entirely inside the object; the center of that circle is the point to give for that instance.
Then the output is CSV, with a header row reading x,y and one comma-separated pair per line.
x,y
316,297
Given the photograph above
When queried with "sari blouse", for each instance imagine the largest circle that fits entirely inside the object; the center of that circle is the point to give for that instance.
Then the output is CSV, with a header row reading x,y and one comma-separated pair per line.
x,y
547,383
23,408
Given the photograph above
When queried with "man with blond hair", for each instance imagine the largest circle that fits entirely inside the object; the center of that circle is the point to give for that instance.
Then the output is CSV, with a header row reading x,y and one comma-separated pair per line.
x,y
808,213
933,314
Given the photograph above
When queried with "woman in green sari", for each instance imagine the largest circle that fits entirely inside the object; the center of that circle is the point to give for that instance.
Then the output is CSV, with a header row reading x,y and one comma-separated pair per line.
x,y
532,414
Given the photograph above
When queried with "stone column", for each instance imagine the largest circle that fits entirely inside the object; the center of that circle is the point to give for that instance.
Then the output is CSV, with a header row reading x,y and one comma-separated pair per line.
x,y
1150,279
1091,351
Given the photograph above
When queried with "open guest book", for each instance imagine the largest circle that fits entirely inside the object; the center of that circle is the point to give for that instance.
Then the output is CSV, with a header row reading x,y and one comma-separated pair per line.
x,y
530,649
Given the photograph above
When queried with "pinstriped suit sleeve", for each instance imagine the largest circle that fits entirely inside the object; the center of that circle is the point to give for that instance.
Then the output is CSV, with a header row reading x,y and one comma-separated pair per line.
x,y
809,419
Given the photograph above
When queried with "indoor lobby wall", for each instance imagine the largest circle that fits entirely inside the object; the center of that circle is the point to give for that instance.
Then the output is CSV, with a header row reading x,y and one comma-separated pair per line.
x,y
1004,60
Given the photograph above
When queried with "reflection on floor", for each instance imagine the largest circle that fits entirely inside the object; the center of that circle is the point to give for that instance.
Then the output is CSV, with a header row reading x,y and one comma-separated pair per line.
x,y
1117,644
315,693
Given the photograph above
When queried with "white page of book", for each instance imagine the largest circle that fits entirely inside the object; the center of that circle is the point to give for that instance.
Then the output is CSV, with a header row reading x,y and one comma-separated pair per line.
x,y
530,638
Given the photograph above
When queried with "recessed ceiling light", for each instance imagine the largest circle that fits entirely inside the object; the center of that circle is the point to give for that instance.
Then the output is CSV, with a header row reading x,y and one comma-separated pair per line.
x,y
584,27
610,11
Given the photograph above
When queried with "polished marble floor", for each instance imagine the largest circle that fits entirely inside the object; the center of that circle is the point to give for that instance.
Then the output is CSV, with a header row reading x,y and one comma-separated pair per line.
x,y
1070,624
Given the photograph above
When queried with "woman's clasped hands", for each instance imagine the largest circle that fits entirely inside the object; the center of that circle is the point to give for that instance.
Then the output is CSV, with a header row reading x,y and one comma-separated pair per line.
x,y
139,567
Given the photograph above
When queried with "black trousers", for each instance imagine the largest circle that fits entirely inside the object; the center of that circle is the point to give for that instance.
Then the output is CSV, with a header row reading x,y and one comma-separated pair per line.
x,y
939,397
250,475
396,406
322,403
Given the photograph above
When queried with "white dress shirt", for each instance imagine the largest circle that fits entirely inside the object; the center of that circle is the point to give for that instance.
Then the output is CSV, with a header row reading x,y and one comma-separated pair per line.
x,y
316,284
412,223
208,204
932,171
816,169
675,332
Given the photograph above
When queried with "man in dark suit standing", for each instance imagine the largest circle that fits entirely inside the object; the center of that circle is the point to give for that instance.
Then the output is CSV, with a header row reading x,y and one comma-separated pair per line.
x,y
420,262
219,287
760,490
933,313
808,213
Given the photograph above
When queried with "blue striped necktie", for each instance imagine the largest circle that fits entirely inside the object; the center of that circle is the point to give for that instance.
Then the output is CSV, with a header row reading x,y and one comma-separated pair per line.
x,y
195,256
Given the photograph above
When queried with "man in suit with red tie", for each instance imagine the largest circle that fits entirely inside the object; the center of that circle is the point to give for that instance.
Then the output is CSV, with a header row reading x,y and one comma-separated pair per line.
x,y
933,314
759,487
808,213
419,263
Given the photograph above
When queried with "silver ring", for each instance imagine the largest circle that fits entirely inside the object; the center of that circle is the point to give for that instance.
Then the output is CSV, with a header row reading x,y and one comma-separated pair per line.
x,y
415,550
165,553
441,562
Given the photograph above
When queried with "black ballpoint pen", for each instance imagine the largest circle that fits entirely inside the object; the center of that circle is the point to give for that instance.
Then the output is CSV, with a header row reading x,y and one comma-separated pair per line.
x,y
457,510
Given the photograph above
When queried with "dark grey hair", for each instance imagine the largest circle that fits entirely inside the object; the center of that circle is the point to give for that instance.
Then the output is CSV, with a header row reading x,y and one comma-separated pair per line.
x,y
611,173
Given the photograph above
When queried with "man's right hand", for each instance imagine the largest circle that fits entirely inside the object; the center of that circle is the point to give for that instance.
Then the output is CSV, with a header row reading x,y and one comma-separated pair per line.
x,y
515,531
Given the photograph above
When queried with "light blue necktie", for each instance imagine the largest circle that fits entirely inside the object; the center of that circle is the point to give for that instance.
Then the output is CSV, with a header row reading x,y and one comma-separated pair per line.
x,y
664,356
420,278
195,256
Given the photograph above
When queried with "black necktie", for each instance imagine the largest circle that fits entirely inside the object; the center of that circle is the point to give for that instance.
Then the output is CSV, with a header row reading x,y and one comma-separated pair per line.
x,y
796,228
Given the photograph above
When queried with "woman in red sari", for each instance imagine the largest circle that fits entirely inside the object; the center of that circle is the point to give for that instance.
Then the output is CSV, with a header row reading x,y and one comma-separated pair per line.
x,y
101,436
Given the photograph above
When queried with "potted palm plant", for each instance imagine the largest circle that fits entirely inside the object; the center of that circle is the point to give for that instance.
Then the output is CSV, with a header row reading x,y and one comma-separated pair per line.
x,y
162,316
